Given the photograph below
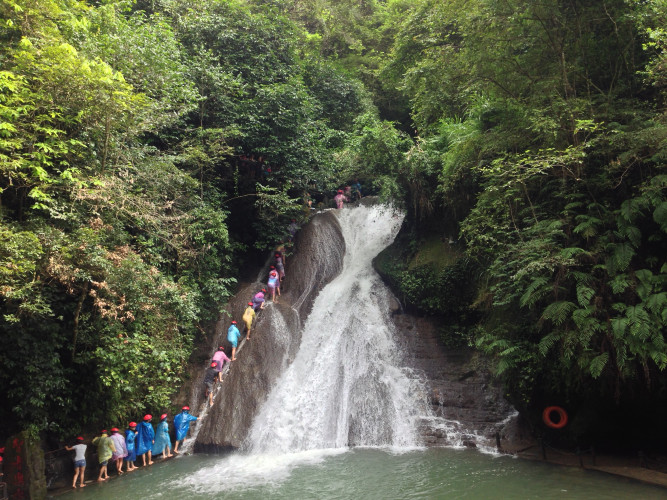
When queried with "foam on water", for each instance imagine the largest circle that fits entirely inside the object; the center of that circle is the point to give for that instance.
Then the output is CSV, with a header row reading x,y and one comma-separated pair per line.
x,y
241,471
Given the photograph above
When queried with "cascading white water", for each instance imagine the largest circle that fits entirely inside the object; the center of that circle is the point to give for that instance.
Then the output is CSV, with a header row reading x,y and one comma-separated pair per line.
x,y
345,385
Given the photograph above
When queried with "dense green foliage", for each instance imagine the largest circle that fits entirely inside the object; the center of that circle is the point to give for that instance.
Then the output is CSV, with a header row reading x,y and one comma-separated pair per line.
x,y
146,148
143,151
546,123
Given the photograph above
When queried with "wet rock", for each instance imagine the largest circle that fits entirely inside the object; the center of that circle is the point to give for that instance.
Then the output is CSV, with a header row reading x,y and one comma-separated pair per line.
x,y
24,467
317,259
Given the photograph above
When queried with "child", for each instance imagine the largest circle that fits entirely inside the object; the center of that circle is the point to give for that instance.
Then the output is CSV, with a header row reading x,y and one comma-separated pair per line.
x,y
79,460
233,336
209,380
220,357
248,317
130,436
121,449
105,449
273,284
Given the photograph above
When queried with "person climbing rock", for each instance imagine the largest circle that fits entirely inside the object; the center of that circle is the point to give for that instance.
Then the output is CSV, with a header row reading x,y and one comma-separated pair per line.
x,y
162,443
220,358
145,439
79,461
258,300
105,449
233,336
280,265
209,381
356,189
248,317
293,228
130,437
182,425
273,284
121,449
340,199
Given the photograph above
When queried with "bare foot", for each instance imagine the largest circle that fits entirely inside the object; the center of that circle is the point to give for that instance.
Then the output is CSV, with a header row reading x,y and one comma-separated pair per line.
x,y
120,472
247,338
82,486
99,479
150,463
74,486
233,359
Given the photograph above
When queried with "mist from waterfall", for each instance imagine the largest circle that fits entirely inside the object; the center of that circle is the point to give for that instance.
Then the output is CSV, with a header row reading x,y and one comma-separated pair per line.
x,y
346,386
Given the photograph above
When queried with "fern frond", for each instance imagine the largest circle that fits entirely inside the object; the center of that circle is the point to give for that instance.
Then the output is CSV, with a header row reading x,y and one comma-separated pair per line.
x,y
558,312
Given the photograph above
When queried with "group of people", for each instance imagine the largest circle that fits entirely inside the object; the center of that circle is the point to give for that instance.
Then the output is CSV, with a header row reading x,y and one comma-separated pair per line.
x,y
137,441
275,279
349,193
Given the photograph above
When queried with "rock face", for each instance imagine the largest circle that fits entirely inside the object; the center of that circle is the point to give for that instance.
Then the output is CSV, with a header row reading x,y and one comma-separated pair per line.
x,y
317,259
468,409
462,392
24,467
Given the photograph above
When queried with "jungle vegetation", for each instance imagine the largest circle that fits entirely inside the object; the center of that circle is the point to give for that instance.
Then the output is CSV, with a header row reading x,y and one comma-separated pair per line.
x,y
149,148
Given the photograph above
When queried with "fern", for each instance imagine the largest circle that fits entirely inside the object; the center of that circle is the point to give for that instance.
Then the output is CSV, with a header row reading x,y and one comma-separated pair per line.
x,y
558,312
620,283
660,215
584,295
547,343
620,259
537,289
598,363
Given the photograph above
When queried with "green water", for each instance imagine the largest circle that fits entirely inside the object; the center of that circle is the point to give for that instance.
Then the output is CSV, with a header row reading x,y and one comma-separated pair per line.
x,y
364,474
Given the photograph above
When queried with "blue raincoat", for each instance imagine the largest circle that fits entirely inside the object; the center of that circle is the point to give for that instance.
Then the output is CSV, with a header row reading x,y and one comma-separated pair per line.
x,y
182,424
145,436
130,436
233,335
162,439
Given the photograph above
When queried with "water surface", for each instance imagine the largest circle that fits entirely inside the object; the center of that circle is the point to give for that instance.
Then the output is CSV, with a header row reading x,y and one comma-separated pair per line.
x,y
368,474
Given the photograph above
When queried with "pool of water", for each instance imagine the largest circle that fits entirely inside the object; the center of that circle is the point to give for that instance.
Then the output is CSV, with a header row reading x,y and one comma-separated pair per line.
x,y
437,473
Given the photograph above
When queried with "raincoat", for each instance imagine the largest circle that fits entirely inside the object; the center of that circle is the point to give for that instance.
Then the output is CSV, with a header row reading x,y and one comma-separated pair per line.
x,y
182,423
233,334
144,439
257,300
130,436
105,447
119,443
248,316
162,439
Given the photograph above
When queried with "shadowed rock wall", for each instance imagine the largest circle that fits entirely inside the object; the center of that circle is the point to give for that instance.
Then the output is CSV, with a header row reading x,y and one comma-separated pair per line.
x,y
317,258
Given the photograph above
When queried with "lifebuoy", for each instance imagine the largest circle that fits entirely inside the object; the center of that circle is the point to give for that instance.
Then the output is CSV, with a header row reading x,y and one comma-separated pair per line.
x,y
548,420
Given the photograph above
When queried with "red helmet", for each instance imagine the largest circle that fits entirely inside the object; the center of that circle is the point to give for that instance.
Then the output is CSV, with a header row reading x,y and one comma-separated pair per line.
x,y
148,416
233,322
79,438
114,429
163,416
249,303
185,408
214,364
132,424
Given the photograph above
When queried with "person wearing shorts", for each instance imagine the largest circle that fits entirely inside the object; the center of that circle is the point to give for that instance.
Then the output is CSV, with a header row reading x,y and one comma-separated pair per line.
x,y
273,283
209,381
79,461
105,448
233,336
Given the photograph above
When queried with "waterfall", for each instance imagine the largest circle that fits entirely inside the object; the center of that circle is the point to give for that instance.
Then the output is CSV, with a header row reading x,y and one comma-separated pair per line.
x,y
345,385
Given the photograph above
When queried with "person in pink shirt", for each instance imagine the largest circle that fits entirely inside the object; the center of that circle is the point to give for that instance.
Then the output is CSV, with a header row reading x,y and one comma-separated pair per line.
x,y
220,357
339,199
